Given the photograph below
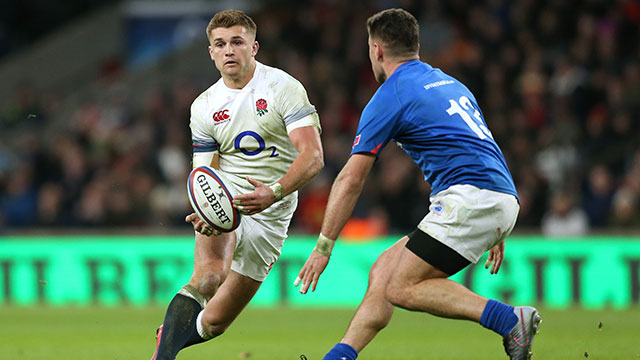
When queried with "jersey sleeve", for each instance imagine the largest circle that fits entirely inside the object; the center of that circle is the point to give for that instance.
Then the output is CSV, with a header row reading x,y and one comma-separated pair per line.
x,y
294,106
378,124
202,141
309,120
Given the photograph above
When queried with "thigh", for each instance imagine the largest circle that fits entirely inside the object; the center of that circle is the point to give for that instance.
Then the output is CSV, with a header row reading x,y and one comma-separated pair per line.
x,y
411,269
436,253
212,254
234,294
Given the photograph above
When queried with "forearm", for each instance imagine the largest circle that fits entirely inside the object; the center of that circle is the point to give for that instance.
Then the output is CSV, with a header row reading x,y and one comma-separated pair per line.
x,y
344,195
304,168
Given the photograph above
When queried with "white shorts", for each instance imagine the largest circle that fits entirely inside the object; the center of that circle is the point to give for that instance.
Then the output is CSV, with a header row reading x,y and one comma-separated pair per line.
x,y
258,244
470,220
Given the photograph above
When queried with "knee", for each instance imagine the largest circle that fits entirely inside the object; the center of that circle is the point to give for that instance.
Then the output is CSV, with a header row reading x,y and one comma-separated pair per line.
x,y
381,269
377,271
383,281
208,283
395,294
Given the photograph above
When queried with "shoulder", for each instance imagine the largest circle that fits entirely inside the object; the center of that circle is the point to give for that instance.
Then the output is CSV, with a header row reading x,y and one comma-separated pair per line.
x,y
279,77
202,102
385,99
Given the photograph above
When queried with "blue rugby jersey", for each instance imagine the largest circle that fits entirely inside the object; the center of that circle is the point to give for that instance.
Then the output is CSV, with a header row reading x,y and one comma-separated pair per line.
x,y
438,122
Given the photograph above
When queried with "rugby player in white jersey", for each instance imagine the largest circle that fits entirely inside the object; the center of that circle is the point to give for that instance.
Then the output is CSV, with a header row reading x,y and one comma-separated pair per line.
x,y
257,126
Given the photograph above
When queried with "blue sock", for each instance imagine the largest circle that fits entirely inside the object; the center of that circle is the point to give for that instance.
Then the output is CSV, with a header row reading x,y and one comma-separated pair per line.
x,y
341,352
498,317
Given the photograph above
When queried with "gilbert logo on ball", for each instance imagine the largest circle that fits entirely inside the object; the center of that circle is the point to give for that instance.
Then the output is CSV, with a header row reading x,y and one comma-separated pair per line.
x,y
211,199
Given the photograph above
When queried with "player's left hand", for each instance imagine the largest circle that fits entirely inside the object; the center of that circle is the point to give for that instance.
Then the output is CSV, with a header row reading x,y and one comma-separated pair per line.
x,y
310,272
200,226
252,203
496,255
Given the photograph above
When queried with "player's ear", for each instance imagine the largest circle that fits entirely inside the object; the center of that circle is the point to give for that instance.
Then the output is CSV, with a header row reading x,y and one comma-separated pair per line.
x,y
378,51
255,48
211,52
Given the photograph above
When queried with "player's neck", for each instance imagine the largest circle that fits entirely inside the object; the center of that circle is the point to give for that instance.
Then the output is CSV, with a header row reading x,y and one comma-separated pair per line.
x,y
240,81
391,66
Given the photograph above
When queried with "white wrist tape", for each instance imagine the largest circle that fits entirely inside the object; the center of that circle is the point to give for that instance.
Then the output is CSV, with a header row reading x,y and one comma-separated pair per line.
x,y
324,246
278,191
203,158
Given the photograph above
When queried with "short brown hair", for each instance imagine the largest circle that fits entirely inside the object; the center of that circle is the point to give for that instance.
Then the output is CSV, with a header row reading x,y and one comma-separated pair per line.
x,y
229,18
397,29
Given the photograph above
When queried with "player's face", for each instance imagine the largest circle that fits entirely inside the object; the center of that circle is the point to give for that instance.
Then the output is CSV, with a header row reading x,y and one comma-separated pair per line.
x,y
233,50
376,63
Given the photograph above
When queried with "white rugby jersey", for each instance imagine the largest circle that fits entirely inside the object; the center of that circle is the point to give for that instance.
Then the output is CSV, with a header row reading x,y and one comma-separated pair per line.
x,y
250,129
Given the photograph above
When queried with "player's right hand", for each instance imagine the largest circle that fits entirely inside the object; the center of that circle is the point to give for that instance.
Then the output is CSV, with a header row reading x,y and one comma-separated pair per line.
x,y
200,226
496,256
311,271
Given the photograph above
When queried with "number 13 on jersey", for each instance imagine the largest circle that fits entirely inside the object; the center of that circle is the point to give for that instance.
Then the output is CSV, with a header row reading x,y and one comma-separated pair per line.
x,y
465,109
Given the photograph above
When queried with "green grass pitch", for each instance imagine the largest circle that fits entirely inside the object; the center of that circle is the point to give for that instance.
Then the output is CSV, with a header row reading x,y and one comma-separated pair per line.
x,y
285,333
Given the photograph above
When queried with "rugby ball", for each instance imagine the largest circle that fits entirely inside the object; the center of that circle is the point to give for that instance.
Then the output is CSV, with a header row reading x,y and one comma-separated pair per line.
x,y
211,199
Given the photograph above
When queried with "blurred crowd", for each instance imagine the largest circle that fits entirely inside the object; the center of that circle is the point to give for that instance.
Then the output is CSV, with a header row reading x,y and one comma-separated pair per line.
x,y
24,21
558,83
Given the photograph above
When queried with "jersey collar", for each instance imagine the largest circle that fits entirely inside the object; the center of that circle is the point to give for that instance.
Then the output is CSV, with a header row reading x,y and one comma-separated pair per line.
x,y
402,67
256,72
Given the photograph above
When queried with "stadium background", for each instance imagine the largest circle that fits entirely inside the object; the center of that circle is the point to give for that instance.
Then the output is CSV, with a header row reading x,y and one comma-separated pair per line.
x,y
95,148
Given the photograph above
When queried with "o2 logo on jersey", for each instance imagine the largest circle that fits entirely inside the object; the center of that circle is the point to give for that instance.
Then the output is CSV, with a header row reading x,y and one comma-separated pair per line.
x,y
221,116
261,146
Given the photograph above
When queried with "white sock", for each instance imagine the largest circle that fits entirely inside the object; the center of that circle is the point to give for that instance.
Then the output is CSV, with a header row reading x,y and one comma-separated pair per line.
x,y
200,328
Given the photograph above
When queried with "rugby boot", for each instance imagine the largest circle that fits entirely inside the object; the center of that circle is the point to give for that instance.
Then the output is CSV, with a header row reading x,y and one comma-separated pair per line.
x,y
158,336
517,344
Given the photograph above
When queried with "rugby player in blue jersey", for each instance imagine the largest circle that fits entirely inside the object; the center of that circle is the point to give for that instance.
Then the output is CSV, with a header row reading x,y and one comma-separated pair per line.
x,y
474,204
